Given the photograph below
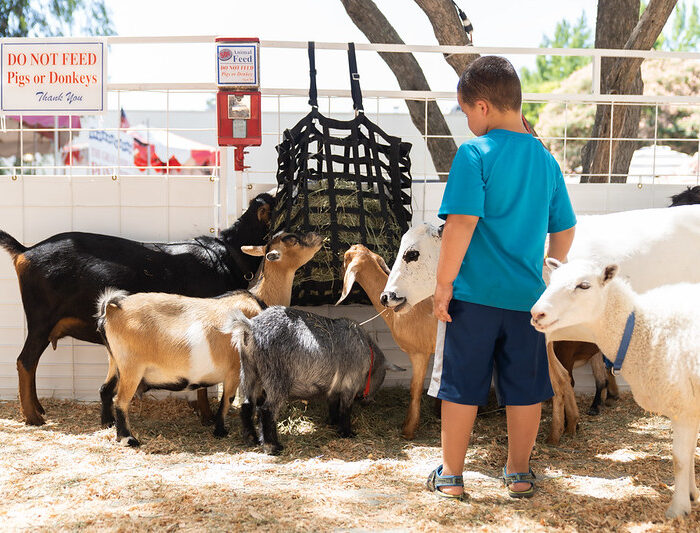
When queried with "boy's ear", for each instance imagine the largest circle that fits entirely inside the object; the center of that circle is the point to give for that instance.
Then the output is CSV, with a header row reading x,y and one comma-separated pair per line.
x,y
483,106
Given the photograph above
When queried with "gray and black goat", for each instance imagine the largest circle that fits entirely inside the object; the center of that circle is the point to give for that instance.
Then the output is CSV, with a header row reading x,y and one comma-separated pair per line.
x,y
289,354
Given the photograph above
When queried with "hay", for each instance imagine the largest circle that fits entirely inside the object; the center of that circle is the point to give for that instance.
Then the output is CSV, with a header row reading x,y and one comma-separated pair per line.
x,y
70,474
383,231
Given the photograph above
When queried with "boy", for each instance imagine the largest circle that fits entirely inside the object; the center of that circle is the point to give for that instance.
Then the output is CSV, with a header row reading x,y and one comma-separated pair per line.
x,y
504,193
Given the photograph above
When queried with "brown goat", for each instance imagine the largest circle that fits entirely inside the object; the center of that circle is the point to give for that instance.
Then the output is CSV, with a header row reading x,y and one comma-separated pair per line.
x,y
572,354
171,342
175,342
413,331
282,257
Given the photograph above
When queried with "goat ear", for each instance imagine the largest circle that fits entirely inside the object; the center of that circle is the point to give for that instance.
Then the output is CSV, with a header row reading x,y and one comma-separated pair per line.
x,y
264,214
348,282
609,273
273,255
552,264
382,263
290,239
257,251
392,367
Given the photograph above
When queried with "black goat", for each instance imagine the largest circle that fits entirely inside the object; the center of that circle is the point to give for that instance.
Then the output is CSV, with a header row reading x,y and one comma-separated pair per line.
x,y
690,196
62,277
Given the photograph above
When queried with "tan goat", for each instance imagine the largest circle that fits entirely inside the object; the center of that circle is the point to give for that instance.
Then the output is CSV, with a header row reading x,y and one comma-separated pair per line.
x,y
175,342
282,256
413,331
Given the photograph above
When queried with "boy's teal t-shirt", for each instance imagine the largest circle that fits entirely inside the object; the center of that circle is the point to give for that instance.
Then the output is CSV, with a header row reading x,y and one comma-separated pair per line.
x,y
515,186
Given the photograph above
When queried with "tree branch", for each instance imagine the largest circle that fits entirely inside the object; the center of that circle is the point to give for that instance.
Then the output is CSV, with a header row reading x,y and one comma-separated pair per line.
x,y
448,30
643,37
372,22
619,26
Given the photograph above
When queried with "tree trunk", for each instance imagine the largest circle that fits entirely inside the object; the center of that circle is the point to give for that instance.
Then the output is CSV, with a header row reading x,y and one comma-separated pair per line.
x,y
618,26
448,30
377,29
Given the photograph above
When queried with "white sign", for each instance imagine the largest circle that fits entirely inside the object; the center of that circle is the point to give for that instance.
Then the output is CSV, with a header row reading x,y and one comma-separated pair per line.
x,y
53,76
237,65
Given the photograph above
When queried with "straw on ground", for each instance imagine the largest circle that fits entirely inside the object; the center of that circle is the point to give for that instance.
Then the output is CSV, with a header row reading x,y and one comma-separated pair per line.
x,y
70,474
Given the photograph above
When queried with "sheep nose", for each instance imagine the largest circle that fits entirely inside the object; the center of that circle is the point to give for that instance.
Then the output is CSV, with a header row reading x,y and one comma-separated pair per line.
x,y
538,316
390,300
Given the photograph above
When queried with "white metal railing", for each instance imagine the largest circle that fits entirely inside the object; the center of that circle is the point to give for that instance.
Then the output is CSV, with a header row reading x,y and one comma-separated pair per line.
x,y
422,170
76,369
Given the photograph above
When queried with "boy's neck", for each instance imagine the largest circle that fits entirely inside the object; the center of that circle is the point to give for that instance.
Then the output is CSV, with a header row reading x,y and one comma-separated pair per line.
x,y
506,120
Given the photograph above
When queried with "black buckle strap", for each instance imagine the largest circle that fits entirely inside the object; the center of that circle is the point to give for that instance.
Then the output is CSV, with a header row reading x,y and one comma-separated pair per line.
x,y
313,92
354,80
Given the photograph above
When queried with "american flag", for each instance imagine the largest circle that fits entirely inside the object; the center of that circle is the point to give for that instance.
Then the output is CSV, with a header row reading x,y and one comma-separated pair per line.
x,y
123,122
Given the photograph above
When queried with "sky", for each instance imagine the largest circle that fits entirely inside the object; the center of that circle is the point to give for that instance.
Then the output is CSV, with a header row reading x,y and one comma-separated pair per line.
x,y
496,23
508,23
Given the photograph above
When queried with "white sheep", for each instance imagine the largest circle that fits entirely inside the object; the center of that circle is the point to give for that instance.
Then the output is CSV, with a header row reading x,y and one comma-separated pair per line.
x,y
640,241
656,336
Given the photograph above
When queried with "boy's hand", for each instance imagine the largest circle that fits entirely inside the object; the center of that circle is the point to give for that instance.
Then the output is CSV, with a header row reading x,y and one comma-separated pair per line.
x,y
456,236
441,301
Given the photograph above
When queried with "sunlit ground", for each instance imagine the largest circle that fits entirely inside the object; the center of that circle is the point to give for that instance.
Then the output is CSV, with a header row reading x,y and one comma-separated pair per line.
x,y
615,475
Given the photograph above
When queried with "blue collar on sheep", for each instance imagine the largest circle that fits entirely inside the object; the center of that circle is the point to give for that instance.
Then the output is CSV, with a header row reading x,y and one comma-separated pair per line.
x,y
624,345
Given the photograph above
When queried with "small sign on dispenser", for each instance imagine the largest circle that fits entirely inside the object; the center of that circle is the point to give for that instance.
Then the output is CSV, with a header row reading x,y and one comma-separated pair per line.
x,y
238,113
237,63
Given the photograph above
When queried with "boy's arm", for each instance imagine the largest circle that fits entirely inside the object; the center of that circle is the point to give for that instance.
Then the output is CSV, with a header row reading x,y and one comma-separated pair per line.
x,y
456,236
560,243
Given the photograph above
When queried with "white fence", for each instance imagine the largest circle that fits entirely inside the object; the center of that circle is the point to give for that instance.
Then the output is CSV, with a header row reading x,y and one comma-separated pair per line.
x,y
41,196
158,208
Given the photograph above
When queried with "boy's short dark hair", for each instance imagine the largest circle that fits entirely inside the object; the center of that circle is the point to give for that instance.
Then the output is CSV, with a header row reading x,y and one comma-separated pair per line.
x,y
494,79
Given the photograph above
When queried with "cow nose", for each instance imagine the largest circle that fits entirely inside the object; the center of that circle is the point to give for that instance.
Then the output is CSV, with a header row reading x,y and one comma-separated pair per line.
x,y
384,298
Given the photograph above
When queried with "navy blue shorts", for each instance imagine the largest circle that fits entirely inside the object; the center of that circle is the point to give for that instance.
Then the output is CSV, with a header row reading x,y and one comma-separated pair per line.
x,y
482,340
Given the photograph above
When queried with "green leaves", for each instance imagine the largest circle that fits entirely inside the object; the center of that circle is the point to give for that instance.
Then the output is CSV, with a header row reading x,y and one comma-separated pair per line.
x,y
36,18
551,70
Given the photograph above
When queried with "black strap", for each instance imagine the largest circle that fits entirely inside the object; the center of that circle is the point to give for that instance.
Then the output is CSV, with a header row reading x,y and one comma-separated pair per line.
x,y
313,92
354,80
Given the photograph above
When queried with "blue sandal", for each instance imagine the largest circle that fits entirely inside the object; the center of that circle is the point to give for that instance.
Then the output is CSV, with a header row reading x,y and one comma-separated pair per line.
x,y
436,480
519,477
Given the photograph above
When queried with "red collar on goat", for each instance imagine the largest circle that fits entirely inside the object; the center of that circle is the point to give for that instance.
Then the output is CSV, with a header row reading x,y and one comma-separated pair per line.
x,y
369,374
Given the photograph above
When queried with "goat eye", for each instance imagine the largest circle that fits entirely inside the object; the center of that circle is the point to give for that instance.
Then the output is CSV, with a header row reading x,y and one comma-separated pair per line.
x,y
411,255
583,285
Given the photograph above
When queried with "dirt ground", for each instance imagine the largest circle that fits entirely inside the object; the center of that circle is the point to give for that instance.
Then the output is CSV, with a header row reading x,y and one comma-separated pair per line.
x,y
615,475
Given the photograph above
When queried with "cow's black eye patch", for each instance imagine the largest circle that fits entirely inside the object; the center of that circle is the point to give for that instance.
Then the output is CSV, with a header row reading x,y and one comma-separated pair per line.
x,y
411,255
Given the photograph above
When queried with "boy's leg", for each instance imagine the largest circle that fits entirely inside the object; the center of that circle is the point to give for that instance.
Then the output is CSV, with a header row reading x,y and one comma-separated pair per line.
x,y
457,423
523,424
522,377
462,377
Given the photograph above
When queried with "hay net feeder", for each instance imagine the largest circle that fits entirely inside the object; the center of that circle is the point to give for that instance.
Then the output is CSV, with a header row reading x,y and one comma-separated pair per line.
x,y
347,180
